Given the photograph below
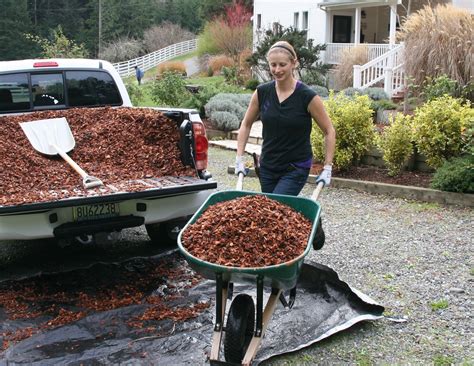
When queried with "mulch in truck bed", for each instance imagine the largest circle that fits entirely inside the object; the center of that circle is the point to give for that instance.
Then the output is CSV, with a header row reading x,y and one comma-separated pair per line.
x,y
120,146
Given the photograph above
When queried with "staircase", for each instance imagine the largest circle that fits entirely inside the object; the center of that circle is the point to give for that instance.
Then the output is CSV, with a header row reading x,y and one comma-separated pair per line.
x,y
388,68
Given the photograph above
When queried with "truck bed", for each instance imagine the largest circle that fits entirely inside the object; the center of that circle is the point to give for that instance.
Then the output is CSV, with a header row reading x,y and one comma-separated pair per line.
x,y
148,188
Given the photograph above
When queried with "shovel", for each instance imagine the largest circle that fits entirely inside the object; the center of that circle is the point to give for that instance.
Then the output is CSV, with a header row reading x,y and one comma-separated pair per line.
x,y
53,136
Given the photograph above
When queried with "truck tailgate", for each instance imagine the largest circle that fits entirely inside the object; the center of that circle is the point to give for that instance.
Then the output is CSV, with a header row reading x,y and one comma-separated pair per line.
x,y
126,190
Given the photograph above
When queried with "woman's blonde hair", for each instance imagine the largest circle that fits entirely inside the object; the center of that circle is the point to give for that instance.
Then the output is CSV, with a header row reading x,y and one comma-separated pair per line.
x,y
283,46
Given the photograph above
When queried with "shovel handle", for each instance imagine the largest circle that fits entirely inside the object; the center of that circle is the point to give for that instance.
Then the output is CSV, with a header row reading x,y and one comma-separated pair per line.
x,y
71,162
317,191
240,181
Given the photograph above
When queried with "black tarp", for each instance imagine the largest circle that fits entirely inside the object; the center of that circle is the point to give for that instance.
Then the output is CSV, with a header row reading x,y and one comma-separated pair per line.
x,y
324,305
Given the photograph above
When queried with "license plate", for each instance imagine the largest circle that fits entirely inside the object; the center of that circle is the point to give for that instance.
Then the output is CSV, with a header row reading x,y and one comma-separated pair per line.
x,y
97,211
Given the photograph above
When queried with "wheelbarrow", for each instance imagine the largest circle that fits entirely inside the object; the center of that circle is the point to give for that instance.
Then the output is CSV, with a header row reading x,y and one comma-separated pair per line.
x,y
246,321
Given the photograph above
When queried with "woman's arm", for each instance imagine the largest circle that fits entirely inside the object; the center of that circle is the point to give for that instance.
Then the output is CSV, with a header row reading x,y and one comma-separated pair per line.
x,y
244,131
319,114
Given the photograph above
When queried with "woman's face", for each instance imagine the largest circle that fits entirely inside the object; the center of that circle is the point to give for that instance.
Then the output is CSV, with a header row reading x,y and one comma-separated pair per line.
x,y
281,65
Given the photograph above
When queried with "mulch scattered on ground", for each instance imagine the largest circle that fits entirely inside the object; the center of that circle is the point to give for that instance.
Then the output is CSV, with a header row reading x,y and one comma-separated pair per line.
x,y
51,301
250,231
116,145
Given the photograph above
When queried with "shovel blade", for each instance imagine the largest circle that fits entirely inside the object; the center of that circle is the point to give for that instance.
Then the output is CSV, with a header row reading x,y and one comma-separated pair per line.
x,y
44,133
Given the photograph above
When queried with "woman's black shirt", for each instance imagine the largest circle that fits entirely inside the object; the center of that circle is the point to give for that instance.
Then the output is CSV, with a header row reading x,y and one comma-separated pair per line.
x,y
286,126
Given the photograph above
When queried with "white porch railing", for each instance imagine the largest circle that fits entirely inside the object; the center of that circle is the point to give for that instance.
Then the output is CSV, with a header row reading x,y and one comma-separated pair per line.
x,y
332,54
127,68
387,68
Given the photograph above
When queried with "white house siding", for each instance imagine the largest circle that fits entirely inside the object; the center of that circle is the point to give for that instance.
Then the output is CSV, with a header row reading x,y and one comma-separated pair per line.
x,y
466,4
374,25
282,12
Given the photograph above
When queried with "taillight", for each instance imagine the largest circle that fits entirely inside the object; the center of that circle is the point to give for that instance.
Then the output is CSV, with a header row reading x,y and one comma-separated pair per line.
x,y
45,64
201,145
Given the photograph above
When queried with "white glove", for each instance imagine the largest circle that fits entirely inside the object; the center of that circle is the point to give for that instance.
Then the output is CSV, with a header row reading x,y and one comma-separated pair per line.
x,y
239,165
325,175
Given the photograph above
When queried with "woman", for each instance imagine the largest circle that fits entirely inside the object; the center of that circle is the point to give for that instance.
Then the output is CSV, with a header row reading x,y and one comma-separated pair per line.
x,y
286,108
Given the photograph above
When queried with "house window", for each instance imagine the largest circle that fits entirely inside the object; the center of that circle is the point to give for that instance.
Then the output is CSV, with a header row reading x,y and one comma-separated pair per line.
x,y
304,25
296,20
259,21
342,26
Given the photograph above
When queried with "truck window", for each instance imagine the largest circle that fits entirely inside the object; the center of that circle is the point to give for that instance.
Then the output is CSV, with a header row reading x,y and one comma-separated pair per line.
x,y
91,88
14,92
48,89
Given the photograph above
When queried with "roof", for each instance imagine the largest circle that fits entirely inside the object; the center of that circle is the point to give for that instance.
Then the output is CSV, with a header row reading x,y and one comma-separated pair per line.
x,y
350,4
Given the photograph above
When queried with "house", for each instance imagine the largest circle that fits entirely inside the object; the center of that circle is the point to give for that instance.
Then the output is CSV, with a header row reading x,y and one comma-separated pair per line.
x,y
342,24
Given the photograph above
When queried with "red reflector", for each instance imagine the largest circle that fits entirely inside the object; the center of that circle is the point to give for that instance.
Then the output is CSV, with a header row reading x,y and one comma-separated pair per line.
x,y
45,64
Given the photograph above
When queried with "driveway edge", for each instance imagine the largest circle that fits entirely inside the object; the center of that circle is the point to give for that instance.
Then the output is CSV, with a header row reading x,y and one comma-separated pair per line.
x,y
395,190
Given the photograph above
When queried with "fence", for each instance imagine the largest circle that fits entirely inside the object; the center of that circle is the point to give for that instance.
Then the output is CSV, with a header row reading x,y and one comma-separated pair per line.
x,y
333,52
147,62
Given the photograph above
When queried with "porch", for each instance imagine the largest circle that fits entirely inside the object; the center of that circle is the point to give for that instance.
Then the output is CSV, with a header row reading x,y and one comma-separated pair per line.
x,y
351,23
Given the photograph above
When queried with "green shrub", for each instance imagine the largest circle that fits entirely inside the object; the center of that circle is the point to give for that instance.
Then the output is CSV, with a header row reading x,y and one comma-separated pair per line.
x,y
455,175
252,84
225,121
322,91
352,119
231,75
206,43
201,98
382,104
219,104
135,93
396,143
376,93
437,87
170,90
439,126
233,104
350,92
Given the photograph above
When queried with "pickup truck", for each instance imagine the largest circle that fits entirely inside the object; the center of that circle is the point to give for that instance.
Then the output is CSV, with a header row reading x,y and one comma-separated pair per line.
x,y
29,87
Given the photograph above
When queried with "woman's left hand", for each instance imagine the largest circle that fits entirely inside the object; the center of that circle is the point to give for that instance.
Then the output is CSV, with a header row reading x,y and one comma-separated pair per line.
x,y
325,175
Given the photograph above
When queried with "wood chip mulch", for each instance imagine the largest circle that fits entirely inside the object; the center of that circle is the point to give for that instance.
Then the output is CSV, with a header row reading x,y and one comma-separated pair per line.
x,y
120,146
250,231
50,301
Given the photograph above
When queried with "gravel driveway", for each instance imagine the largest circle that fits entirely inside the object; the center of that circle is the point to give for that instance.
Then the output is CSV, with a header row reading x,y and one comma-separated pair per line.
x,y
413,258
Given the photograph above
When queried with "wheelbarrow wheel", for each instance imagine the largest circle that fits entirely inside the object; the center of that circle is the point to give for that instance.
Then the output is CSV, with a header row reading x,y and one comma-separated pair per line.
x,y
239,328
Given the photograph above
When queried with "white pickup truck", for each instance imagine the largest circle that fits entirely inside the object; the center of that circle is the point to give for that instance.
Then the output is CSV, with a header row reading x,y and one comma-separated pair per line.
x,y
74,83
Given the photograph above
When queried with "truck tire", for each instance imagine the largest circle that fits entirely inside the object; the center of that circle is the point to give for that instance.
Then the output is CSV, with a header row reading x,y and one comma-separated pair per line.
x,y
157,234
239,328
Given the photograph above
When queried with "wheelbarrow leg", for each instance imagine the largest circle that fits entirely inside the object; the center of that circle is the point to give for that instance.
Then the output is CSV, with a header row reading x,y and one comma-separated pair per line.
x,y
221,301
263,318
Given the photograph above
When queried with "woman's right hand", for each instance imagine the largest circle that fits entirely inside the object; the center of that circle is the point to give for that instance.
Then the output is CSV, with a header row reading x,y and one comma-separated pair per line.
x,y
240,165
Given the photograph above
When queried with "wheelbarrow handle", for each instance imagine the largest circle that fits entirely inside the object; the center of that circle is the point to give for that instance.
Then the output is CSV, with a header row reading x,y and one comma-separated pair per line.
x,y
240,181
317,191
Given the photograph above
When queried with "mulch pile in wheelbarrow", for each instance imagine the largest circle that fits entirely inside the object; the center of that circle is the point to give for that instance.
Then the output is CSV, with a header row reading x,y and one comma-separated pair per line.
x,y
250,231
119,146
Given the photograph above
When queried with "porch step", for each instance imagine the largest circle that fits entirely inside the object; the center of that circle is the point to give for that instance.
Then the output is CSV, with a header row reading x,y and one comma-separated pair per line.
x,y
398,97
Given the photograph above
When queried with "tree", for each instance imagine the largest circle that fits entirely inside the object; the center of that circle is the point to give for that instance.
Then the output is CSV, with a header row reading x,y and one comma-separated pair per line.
x,y
232,33
165,34
14,21
59,46
310,66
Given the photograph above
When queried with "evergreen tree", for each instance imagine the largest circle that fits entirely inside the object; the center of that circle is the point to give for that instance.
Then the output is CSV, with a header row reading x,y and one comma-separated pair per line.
x,y
14,22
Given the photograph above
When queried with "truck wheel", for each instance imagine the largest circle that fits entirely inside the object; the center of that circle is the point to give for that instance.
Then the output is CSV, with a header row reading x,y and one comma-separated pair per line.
x,y
159,235
239,328
155,232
